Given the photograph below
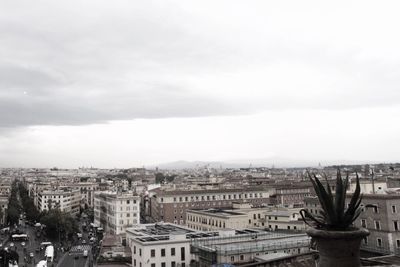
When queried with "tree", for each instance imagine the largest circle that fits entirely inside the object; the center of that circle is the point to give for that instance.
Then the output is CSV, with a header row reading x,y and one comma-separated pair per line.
x,y
59,223
160,178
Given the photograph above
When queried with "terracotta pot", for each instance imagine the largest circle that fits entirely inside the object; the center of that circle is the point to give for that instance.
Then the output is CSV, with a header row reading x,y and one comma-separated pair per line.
x,y
338,248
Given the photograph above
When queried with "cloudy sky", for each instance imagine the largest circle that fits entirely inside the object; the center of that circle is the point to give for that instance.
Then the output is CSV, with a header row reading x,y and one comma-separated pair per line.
x,y
132,83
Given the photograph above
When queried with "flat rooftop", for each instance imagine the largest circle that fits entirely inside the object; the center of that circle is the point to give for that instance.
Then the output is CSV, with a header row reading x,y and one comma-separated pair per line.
x,y
222,212
251,240
165,231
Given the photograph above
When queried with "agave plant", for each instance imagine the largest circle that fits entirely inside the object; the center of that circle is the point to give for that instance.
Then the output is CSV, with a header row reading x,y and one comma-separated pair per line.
x,y
334,215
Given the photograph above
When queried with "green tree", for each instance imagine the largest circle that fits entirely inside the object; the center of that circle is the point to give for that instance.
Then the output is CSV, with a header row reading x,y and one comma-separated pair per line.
x,y
160,178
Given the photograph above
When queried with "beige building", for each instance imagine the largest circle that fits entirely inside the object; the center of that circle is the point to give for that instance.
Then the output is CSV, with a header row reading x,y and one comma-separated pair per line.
x,y
115,211
381,216
284,219
241,216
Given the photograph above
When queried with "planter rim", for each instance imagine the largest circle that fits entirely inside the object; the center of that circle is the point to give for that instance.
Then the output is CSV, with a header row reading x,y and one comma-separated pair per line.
x,y
331,234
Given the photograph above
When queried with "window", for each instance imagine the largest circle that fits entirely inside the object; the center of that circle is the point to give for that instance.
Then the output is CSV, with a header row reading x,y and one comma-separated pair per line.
x,y
153,265
241,257
153,253
396,225
393,209
377,225
134,263
172,251
127,202
232,258
163,252
398,243
163,264
140,252
173,264
363,223
182,253
365,240
375,208
183,264
379,242
134,249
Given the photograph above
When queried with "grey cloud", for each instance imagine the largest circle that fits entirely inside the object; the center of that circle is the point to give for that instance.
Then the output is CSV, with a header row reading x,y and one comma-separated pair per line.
x,y
101,63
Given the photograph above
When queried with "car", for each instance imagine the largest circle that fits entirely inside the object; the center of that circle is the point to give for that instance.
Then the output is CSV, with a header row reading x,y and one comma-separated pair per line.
x,y
11,244
23,244
31,255
85,253
83,241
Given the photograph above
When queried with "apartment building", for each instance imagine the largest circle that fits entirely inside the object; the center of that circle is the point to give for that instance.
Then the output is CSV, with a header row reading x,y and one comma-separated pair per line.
x,y
170,205
291,195
161,244
115,211
241,216
3,207
284,219
381,216
67,200
170,245
87,190
5,188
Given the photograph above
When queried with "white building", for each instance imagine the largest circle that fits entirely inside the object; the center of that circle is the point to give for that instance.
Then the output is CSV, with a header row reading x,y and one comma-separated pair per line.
x,y
240,216
115,211
67,200
161,245
171,245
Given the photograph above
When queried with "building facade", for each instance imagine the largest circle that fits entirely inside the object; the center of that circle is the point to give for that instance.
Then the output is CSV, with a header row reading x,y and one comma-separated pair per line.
x,y
67,200
171,205
241,216
115,211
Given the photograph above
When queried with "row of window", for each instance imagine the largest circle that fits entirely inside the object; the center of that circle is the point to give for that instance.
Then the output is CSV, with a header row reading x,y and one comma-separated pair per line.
x,y
377,224
379,242
163,264
162,252
216,197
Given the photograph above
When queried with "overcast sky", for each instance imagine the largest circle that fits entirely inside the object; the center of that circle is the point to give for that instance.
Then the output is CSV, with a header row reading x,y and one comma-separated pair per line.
x,y
132,83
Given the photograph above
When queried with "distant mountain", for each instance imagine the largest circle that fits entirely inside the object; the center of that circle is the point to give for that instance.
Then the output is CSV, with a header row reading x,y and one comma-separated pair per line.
x,y
278,163
245,163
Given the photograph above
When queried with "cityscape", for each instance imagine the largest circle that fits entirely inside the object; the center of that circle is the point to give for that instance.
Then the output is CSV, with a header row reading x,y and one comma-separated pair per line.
x,y
213,133
202,216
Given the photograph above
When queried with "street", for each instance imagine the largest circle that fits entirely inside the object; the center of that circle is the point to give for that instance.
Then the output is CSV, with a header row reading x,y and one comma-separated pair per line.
x,y
72,258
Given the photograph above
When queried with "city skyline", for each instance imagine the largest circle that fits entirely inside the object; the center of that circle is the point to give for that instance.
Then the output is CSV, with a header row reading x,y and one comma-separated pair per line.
x,y
133,84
